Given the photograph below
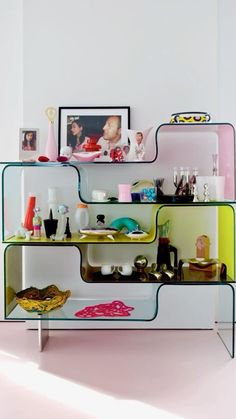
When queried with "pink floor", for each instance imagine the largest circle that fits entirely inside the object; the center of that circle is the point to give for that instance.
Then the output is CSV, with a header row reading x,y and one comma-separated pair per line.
x,y
115,374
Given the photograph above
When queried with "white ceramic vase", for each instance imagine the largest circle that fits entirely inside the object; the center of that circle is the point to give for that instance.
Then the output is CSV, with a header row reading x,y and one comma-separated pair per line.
x,y
137,151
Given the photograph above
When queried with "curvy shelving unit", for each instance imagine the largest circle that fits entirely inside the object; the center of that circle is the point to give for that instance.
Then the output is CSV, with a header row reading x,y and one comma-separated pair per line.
x,y
76,181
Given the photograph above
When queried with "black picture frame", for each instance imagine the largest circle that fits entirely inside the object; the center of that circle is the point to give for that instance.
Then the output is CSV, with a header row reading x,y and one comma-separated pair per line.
x,y
92,119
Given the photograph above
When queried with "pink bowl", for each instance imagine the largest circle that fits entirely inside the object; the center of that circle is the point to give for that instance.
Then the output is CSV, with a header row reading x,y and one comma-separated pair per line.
x,y
86,156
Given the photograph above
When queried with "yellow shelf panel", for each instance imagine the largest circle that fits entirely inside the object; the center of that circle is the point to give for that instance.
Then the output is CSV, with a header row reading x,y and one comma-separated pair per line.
x,y
77,239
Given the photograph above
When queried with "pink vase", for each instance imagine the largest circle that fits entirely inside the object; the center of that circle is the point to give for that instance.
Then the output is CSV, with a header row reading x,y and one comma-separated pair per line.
x,y
124,192
51,150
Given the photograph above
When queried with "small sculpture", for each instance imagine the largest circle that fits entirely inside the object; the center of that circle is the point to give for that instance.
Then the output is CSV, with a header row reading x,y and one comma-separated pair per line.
x,y
28,235
125,223
153,272
137,140
215,164
140,263
101,220
61,226
37,224
66,151
203,247
21,232
206,193
67,230
195,193
50,225
202,262
158,182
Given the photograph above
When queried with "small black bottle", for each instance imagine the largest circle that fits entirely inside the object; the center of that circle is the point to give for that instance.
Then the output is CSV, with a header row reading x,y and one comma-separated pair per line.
x,y
101,220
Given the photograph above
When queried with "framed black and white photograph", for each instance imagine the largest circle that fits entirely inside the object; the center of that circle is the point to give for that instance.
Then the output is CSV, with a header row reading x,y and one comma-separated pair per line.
x,y
95,133
28,143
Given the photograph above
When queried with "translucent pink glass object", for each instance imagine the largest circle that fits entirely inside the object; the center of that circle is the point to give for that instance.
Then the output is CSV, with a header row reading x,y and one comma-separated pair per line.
x,y
51,148
114,309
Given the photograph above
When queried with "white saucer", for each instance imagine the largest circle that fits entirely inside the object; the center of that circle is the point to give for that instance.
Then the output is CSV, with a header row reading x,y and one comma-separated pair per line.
x,y
100,201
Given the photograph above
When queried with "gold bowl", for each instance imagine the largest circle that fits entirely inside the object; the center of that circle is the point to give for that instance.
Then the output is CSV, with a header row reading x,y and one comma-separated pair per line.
x,y
43,300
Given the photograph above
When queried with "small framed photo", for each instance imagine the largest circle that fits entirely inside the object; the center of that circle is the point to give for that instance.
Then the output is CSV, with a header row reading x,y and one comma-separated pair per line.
x,y
28,143
95,133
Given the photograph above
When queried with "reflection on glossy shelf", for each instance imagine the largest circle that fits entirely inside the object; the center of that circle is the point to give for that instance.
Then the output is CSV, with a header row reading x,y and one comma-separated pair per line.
x,y
163,202
75,163
77,239
144,310
94,275
216,127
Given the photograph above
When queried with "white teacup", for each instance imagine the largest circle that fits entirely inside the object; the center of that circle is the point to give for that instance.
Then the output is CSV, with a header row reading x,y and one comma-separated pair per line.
x,y
125,270
99,195
107,269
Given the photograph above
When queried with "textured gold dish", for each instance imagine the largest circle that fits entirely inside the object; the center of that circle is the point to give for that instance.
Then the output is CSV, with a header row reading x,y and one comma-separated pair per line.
x,y
43,300
203,264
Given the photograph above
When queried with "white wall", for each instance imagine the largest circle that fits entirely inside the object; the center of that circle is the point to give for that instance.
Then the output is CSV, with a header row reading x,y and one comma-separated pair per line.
x,y
227,60
157,56
11,88
148,54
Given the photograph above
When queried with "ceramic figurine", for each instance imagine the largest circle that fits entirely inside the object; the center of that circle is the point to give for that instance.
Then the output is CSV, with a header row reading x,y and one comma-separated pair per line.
x,y
37,224
61,226
140,263
66,151
158,182
137,144
50,225
154,273
28,235
206,193
21,231
67,230
100,220
215,164
195,193
203,247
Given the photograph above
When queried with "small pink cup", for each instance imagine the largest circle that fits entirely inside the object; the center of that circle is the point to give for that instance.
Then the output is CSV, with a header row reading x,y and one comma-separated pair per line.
x,y
124,192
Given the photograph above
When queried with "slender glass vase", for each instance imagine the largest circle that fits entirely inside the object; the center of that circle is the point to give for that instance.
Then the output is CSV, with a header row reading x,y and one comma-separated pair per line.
x,y
51,151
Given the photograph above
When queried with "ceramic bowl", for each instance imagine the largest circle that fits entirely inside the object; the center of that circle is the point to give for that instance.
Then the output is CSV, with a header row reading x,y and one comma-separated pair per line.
x,y
190,117
85,156
42,300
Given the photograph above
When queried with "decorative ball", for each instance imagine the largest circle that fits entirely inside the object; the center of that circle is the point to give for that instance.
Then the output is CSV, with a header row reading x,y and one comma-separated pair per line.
x,y
140,262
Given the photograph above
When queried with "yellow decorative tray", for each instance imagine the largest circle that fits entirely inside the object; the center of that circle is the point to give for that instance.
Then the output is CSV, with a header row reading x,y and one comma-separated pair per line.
x,y
42,300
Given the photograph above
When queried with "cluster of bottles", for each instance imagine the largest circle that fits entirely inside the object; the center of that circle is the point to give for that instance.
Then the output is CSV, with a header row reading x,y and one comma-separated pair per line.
x,y
184,180
33,221
57,225
82,218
